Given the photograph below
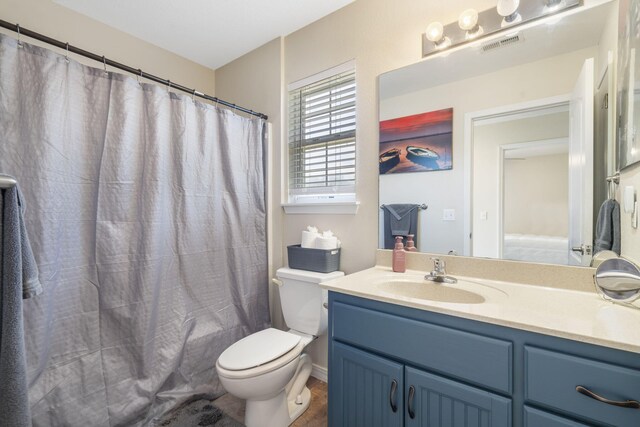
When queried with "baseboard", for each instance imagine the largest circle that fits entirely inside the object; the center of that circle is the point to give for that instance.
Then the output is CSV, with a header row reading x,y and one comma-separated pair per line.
x,y
319,372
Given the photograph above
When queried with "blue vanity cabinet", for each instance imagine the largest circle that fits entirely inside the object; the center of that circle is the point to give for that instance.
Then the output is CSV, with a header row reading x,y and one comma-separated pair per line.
x,y
377,392
436,401
452,371
370,388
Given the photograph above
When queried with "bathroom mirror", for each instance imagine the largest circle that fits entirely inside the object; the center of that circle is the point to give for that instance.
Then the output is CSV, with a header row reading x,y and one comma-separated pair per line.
x,y
518,133
628,78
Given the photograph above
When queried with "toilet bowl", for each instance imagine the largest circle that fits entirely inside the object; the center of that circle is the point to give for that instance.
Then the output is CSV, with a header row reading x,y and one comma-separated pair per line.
x,y
269,368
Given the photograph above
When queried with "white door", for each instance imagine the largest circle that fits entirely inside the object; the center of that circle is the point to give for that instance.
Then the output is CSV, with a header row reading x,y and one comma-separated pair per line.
x,y
581,167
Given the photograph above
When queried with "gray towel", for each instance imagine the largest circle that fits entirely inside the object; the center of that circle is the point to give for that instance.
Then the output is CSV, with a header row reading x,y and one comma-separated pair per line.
x,y
400,220
18,280
607,236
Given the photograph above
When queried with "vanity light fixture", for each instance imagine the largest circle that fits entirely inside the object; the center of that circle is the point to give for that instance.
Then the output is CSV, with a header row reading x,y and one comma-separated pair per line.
x,y
505,16
508,9
468,21
435,34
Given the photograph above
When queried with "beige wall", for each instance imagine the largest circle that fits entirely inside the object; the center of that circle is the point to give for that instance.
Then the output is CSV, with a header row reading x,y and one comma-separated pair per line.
x,y
380,35
53,20
536,195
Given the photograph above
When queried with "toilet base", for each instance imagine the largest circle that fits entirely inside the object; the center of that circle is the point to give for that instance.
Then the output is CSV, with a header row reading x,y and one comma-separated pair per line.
x,y
277,411
295,410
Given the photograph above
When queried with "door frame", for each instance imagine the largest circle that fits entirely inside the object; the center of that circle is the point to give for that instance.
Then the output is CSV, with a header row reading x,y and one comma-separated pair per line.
x,y
500,186
497,114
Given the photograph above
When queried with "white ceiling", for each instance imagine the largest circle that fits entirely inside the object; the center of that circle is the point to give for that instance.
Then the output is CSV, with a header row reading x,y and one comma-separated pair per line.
x,y
209,32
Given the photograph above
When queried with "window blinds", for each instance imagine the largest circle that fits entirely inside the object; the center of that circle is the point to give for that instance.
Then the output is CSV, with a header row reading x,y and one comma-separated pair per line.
x,y
322,136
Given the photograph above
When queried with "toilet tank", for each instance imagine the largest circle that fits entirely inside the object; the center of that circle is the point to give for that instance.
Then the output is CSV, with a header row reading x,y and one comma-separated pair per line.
x,y
302,299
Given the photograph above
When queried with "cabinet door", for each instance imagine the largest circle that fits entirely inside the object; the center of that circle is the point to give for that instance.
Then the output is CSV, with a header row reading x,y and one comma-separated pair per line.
x,y
536,418
433,401
364,389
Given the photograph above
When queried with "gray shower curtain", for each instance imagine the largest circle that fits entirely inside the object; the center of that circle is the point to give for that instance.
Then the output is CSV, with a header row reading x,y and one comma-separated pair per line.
x,y
146,212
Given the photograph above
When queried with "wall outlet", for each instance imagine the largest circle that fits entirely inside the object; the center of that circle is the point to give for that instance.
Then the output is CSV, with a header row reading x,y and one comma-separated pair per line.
x,y
484,215
449,215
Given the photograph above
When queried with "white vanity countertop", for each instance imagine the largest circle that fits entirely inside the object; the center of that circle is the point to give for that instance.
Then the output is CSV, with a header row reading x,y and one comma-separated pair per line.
x,y
576,315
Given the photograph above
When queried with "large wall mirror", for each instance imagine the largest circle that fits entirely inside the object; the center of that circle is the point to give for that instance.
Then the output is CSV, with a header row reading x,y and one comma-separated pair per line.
x,y
507,141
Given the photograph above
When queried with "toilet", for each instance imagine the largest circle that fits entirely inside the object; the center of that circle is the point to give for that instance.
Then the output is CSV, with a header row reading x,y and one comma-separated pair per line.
x,y
269,368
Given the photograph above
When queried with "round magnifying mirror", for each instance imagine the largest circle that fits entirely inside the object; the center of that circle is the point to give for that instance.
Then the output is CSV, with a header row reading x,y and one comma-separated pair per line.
x,y
618,279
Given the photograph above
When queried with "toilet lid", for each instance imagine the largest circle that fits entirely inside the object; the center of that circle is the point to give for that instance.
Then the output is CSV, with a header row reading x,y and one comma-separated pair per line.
x,y
258,349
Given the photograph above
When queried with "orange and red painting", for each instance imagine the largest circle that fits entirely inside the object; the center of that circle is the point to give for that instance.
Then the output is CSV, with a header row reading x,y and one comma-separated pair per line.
x,y
418,143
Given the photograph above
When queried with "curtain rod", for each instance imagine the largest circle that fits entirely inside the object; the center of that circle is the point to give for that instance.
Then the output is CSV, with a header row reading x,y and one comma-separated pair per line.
x,y
135,71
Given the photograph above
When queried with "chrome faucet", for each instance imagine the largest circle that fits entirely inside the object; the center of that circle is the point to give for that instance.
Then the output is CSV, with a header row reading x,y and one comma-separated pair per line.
x,y
439,274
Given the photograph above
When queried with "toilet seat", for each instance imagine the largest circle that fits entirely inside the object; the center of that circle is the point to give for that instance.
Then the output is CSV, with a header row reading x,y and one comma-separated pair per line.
x,y
259,353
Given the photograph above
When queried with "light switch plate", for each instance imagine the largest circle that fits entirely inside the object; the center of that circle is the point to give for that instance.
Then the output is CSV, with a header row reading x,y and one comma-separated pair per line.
x,y
629,198
484,215
449,215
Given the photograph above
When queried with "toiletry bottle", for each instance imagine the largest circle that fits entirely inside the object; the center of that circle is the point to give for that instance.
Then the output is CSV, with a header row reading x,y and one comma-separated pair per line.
x,y
398,259
411,247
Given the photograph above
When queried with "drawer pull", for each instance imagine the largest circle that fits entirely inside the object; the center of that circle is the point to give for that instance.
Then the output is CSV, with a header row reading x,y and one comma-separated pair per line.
x,y
412,391
625,404
392,396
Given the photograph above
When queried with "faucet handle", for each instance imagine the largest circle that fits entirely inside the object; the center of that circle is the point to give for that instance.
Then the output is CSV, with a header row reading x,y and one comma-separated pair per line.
x,y
438,265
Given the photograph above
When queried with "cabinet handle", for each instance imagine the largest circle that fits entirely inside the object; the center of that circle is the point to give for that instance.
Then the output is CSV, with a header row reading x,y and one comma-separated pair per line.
x,y
625,404
392,396
412,392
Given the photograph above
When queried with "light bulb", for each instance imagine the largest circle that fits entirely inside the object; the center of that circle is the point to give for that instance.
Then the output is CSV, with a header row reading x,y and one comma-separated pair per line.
x,y
435,34
468,21
508,9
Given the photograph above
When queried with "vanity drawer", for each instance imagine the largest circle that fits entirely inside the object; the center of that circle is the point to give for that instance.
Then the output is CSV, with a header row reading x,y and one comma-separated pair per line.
x,y
536,418
551,379
473,358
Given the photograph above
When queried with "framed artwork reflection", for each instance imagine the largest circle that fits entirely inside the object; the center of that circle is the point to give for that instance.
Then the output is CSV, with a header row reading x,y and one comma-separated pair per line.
x,y
417,143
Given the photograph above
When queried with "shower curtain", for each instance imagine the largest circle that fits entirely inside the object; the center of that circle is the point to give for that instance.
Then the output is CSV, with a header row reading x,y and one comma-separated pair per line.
x,y
146,212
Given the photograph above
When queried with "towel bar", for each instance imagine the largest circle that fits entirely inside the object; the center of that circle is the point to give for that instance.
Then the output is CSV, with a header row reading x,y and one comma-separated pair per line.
x,y
422,206
7,181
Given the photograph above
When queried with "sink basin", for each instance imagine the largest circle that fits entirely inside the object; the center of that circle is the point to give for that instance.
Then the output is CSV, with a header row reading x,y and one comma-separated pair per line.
x,y
427,290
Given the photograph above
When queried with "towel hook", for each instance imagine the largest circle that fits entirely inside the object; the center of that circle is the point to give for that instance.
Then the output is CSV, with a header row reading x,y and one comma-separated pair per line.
x,y
611,190
19,41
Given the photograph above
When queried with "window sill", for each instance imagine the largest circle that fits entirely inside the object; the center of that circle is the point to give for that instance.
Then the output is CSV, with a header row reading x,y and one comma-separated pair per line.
x,y
335,208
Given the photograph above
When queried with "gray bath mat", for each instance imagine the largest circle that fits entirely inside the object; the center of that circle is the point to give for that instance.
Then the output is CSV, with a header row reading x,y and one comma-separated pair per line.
x,y
199,413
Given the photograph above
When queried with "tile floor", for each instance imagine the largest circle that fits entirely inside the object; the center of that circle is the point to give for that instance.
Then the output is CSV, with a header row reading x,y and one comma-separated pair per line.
x,y
315,416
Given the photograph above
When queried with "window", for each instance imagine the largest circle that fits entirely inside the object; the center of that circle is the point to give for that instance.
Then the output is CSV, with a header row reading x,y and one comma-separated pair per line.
x,y
322,138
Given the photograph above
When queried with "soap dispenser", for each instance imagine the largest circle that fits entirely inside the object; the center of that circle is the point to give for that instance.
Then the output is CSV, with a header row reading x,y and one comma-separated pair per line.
x,y
398,260
411,247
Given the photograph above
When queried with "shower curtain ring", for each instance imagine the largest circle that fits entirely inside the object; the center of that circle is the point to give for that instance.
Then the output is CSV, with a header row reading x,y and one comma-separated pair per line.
x,y
66,56
193,96
168,85
139,76
104,62
19,41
